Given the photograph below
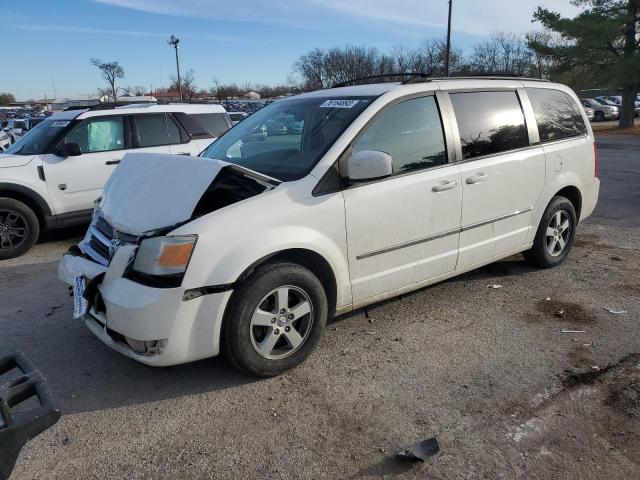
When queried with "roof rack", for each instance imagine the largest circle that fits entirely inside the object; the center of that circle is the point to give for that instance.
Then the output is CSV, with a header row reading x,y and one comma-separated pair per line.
x,y
477,76
386,75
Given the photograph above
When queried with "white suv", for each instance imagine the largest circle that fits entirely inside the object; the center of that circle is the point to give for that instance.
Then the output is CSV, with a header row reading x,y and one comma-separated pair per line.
x,y
385,189
53,175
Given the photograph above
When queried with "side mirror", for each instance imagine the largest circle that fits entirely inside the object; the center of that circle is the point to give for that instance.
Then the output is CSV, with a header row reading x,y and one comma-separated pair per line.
x,y
69,150
369,165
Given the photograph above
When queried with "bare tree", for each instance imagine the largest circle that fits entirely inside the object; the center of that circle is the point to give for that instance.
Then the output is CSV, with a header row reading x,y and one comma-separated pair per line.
x,y
188,83
504,52
111,72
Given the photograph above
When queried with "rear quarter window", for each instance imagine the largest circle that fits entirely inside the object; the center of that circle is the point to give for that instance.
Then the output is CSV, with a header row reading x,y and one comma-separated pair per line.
x,y
557,114
204,125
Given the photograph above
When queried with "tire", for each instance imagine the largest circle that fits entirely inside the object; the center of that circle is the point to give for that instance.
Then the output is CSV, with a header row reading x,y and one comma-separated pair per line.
x,y
553,243
253,333
19,228
599,117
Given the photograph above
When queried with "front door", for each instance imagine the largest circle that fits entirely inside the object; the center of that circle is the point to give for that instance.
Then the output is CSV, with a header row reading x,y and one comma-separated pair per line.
x,y
74,183
502,177
404,229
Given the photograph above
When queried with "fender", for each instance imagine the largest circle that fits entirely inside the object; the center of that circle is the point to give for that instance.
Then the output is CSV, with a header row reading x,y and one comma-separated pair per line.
x,y
27,192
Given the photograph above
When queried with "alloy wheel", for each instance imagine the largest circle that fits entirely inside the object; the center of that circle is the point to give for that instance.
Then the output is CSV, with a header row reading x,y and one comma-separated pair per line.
x,y
558,232
13,229
281,323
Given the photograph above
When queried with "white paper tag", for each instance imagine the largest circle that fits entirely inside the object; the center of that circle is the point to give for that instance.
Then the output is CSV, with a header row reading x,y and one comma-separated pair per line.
x,y
336,103
60,123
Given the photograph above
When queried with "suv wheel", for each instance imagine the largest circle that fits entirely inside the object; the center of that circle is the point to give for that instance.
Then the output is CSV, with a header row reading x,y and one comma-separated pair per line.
x,y
555,234
599,116
275,319
19,228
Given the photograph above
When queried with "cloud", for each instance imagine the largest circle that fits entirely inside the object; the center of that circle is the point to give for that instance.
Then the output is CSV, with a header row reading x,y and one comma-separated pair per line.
x,y
103,31
470,16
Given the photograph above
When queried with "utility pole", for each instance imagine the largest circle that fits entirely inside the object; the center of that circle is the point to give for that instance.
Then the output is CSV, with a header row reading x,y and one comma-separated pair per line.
x,y
174,41
448,41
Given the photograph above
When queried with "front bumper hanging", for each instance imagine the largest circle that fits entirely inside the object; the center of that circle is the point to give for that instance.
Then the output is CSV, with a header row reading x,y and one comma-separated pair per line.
x,y
18,427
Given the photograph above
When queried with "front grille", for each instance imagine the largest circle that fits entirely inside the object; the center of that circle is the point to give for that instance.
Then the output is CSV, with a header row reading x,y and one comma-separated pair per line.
x,y
103,240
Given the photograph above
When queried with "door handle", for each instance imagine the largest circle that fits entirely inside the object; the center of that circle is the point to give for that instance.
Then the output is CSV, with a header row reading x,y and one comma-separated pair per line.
x,y
480,177
447,185
112,162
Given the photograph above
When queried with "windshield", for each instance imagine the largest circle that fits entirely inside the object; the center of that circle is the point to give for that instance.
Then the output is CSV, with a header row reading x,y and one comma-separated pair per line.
x,y
38,139
286,139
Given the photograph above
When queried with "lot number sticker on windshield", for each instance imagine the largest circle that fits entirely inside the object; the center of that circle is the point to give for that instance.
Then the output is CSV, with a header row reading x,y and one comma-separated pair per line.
x,y
60,123
339,103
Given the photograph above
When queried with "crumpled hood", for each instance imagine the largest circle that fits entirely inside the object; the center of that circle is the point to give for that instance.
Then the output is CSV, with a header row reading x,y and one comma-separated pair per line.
x,y
8,160
148,191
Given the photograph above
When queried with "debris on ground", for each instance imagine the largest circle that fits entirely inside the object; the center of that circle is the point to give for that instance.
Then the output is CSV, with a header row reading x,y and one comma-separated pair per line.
x,y
53,309
614,311
495,285
560,313
574,331
418,452
595,368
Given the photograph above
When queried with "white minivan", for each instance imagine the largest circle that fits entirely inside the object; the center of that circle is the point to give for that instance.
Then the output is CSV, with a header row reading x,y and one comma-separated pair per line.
x,y
249,249
52,176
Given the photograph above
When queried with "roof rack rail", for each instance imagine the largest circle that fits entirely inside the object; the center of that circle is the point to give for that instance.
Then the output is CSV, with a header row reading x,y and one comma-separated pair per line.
x,y
479,76
386,75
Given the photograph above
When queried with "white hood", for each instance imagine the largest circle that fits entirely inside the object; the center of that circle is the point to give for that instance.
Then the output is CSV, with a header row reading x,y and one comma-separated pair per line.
x,y
148,191
8,160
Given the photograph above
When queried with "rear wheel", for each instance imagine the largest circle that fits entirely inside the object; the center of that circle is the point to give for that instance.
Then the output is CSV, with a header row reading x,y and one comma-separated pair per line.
x,y
275,319
555,234
19,228
599,117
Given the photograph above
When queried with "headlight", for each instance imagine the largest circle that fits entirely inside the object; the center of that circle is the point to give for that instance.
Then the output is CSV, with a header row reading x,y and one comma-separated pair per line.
x,y
164,255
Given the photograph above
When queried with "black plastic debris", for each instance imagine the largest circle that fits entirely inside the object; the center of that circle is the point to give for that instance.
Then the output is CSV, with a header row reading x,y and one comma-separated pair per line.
x,y
18,424
418,452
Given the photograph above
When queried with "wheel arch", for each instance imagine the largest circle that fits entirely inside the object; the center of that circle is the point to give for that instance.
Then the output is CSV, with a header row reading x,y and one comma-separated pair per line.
x,y
308,259
30,198
572,193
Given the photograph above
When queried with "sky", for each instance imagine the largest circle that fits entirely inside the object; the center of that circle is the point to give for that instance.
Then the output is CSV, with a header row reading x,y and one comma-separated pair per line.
x,y
48,43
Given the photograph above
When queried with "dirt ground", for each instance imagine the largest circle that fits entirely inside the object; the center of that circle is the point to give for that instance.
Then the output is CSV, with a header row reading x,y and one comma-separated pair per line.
x,y
488,371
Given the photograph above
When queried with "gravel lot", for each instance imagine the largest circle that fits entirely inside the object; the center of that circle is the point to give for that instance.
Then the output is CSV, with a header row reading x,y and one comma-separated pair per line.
x,y
487,371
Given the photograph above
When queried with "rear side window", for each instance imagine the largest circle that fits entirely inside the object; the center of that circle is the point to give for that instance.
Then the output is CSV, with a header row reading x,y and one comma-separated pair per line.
x,y
204,125
489,122
557,114
411,132
156,130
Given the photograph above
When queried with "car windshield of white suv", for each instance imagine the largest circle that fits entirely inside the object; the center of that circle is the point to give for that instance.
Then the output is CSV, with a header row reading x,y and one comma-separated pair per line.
x,y
286,139
38,139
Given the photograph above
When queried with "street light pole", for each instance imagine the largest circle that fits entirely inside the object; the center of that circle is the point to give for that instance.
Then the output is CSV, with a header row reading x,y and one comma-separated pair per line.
x,y
448,41
174,41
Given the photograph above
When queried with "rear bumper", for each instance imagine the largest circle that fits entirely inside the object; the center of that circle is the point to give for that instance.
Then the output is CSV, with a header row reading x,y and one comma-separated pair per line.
x,y
590,198
154,326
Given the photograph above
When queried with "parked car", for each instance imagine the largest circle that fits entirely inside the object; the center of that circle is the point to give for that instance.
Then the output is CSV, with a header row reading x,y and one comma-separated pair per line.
x,y
603,111
617,100
591,113
390,188
5,141
276,128
237,117
52,176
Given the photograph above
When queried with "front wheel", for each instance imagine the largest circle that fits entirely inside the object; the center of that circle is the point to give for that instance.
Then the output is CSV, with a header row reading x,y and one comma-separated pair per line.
x,y
555,234
19,228
275,319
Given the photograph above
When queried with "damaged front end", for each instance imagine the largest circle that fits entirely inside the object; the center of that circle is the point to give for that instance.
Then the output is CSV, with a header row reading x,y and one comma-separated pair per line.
x,y
127,272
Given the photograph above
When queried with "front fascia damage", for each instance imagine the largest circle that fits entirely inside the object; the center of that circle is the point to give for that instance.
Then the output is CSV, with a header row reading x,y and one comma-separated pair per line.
x,y
153,194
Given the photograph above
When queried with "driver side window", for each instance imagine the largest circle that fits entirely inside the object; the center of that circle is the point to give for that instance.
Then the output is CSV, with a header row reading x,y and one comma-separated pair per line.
x,y
411,132
98,135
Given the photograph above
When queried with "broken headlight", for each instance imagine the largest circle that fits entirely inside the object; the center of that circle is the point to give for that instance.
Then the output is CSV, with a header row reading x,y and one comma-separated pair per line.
x,y
160,256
